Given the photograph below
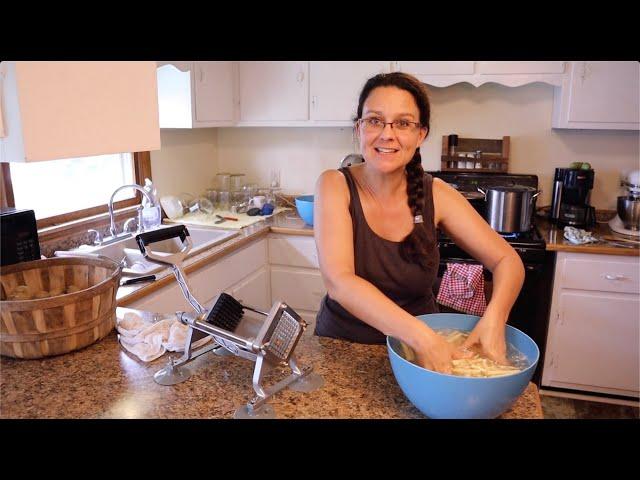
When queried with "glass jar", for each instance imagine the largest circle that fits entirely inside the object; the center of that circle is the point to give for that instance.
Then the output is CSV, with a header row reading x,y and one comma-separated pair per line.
x,y
223,182
237,180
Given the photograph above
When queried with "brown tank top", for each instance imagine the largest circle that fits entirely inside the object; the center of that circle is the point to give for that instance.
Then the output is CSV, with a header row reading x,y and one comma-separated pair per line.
x,y
379,261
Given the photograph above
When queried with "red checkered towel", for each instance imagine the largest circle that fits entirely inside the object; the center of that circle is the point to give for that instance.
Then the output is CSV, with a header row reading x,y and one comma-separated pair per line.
x,y
462,288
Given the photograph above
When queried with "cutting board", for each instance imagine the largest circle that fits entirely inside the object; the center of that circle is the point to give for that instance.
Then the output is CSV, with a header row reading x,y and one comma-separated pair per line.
x,y
208,220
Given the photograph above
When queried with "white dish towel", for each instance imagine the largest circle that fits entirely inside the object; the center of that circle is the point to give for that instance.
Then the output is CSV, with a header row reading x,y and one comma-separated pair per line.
x,y
149,340
578,236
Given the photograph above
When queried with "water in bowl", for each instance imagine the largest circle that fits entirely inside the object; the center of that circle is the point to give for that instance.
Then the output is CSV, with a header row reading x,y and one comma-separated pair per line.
x,y
515,358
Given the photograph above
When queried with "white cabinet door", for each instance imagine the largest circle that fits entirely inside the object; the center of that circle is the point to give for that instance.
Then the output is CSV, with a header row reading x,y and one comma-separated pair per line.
x,y
514,68
196,94
168,299
214,92
174,95
595,343
335,87
599,95
293,250
302,288
253,291
274,91
604,92
435,68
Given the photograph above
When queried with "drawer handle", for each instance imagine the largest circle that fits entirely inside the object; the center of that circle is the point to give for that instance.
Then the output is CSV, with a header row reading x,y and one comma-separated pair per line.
x,y
608,276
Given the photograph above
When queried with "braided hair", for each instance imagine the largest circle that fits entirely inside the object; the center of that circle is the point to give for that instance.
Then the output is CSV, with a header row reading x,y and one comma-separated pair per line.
x,y
417,245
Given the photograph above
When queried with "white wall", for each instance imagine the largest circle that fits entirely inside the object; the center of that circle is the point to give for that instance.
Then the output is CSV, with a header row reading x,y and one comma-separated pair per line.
x,y
489,111
186,161
301,154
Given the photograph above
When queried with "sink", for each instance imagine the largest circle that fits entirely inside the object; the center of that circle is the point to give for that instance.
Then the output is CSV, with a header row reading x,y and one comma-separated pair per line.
x,y
136,264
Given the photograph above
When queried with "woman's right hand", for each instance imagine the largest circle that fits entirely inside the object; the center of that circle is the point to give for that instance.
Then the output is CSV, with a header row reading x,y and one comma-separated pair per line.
x,y
437,353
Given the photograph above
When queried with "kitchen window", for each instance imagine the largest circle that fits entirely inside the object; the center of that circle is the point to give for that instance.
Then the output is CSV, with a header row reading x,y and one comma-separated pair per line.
x,y
64,190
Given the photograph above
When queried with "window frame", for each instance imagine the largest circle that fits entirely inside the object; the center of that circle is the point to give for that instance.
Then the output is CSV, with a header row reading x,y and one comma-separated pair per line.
x,y
142,170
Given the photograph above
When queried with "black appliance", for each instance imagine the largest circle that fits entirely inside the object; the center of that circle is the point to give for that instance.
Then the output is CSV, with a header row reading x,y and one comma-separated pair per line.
x,y
530,312
570,198
19,234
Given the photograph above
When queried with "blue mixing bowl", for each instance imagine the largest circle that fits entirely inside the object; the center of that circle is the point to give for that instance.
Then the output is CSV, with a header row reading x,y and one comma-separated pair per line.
x,y
304,204
439,395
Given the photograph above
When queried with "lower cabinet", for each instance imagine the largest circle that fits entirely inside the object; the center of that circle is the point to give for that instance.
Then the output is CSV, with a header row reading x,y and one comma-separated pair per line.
x,y
295,275
594,329
254,290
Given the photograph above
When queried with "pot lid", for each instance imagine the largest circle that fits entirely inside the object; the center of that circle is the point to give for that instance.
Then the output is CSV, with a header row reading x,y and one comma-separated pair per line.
x,y
513,188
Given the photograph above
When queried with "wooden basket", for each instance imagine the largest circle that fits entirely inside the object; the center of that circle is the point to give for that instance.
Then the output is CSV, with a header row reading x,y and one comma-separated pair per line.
x,y
58,322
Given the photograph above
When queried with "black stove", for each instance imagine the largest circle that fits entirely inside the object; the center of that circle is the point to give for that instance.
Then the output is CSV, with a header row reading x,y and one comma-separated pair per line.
x,y
529,245
530,312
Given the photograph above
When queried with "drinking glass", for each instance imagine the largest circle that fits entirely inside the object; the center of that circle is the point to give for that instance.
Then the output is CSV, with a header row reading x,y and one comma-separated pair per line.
x,y
224,200
274,178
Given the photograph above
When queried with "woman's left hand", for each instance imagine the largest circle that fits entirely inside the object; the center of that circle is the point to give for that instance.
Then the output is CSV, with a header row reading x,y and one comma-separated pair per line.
x,y
490,333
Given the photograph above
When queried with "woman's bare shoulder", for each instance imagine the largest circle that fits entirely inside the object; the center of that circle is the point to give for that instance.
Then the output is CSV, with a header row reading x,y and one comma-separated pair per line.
x,y
331,181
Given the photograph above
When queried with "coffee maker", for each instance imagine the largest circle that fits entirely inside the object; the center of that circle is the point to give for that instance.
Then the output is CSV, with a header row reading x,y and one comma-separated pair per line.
x,y
571,194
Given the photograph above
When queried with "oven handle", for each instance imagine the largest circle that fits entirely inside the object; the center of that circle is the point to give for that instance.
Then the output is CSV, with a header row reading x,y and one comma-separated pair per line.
x,y
535,267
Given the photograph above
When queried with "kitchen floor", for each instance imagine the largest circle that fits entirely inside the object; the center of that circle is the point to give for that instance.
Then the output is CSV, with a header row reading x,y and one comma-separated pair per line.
x,y
557,407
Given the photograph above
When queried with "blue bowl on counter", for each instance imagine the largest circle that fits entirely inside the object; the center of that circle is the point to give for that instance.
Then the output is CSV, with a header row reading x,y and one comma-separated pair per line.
x,y
439,395
304,204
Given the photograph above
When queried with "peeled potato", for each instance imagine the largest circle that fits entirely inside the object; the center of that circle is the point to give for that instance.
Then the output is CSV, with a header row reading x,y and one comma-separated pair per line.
x,y
477,366
41,294
22,295
55,292
73,288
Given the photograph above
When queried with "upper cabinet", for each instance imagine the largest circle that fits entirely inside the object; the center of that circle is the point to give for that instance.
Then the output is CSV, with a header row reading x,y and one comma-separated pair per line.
x,y
511,74
335,87
54,110
519,68
419,69
599,95
196,94
273,92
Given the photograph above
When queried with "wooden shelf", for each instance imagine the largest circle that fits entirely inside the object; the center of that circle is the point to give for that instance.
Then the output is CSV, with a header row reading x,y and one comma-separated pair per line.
x,y
494,157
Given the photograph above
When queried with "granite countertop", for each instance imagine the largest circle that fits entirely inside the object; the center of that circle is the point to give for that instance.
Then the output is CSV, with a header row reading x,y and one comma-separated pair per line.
x,y
105,381
554,237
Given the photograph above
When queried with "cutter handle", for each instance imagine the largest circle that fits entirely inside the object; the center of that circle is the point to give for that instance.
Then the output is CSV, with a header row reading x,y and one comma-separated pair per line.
x,y
144,239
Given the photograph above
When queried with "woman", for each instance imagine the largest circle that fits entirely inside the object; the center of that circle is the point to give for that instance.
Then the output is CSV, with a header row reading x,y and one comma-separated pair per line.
x,y
375,229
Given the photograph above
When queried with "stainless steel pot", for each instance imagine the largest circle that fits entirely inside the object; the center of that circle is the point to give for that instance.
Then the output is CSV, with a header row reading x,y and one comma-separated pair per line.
x,y
509,209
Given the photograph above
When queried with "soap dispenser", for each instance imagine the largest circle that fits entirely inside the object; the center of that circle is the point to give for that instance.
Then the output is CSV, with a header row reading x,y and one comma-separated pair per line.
x,y
151,215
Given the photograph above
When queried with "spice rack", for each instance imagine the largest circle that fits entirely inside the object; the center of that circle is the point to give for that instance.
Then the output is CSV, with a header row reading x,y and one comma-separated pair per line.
x,y
494,156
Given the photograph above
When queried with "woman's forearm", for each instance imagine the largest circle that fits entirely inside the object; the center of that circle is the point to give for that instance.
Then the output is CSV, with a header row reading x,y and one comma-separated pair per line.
x,y
508,276
364,301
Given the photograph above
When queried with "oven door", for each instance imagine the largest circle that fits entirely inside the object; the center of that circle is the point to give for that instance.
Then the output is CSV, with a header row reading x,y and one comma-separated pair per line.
x,y
530,312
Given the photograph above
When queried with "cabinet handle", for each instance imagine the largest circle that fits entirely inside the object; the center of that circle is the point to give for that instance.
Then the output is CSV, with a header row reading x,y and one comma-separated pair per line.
x,y
313,101
300,77
608,276
201,73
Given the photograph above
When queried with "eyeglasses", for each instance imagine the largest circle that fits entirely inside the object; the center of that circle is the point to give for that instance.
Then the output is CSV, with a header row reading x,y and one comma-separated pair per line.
x,y
376,125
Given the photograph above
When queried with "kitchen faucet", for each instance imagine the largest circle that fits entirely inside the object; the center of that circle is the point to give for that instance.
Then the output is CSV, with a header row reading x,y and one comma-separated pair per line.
x,y
112,228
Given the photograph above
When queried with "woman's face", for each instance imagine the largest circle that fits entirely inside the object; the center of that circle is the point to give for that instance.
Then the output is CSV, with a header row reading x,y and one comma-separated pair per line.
x,y
390,148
